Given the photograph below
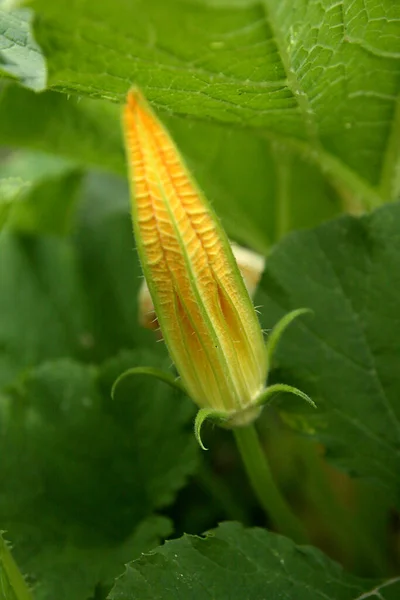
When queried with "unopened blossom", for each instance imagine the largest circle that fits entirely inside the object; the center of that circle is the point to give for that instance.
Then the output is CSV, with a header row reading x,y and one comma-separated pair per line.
x,y
206,316
251,266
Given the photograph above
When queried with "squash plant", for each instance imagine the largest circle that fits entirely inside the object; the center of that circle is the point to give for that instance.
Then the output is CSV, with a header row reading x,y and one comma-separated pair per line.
x,y
287,114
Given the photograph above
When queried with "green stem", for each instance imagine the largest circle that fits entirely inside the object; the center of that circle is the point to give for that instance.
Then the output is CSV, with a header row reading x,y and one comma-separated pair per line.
x,y
260,476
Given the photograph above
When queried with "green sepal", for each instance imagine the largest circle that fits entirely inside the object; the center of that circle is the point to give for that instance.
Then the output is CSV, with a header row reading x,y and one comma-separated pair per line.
x,y
152,372
266,396
203,415
279,328
12,582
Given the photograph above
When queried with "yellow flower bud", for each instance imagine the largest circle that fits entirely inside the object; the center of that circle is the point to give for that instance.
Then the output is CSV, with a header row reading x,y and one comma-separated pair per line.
x,y
202,305
251,266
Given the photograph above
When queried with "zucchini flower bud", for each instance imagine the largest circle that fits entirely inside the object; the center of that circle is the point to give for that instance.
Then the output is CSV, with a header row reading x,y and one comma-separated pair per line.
x,y
251,266
204,310
194,288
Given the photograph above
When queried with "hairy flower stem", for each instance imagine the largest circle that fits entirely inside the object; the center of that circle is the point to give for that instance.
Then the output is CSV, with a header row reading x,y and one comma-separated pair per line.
x,y
264,487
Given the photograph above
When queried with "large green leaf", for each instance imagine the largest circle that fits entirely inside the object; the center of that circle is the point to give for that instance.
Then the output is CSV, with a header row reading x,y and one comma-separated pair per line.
x,y
81,475
259,188
321,78
346,354
242,564
41,303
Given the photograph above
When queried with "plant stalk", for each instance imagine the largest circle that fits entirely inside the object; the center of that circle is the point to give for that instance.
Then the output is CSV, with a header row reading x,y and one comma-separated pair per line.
x,y
264,487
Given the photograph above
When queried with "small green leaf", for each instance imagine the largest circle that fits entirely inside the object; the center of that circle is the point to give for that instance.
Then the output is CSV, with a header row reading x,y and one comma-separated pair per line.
x,y
237,563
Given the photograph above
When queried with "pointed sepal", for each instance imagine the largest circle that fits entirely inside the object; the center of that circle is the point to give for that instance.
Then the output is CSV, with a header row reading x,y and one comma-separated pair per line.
x,y
203,415
267,395
151,372
279,328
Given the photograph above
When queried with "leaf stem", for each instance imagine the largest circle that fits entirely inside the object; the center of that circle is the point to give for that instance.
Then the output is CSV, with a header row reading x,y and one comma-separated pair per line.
x,y
268,494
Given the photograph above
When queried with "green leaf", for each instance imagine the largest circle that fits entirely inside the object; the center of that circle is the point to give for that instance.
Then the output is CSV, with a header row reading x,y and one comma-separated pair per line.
x,y
41,303
20,55
259,188
237,563
12,583
11,189
110,269
91,471
75,296
42,312
321,78
47,200
346,356
81,130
